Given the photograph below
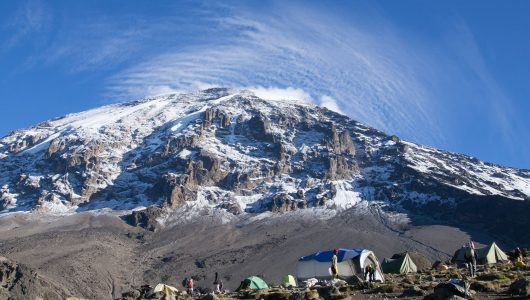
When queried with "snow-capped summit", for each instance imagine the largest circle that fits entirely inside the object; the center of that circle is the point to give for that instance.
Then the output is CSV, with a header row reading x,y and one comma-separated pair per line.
x,y
232,152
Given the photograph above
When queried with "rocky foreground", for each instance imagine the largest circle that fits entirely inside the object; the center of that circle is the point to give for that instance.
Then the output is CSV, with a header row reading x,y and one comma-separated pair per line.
x,y
492,282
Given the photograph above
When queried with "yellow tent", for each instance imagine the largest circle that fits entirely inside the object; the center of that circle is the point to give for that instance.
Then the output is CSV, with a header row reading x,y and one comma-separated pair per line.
x,y
289,280
166,289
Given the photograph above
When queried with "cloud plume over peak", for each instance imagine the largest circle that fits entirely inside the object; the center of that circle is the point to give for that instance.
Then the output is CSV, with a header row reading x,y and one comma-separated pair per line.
x,y
371,77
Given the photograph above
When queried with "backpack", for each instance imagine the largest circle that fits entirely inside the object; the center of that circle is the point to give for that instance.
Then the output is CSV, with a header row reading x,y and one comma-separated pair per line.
x,y
469,253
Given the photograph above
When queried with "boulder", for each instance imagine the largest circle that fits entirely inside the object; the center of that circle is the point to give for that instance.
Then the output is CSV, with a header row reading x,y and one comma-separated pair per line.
x,y
413,291
145,218
445,290
520,287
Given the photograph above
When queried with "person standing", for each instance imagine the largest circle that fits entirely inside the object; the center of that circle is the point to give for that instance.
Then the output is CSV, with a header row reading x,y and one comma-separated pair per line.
x,y
334,264
471,259
216,283
369,273
518,253
372,273
189,285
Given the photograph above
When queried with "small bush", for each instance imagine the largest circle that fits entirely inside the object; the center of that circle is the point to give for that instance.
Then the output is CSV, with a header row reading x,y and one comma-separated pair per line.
x,y
388,288
493,276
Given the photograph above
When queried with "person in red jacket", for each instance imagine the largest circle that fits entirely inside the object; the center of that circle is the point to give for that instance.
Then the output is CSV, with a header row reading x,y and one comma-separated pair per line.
x,y
189,286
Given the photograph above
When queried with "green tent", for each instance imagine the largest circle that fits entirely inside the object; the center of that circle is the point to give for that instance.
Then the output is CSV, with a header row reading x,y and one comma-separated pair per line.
x,y
253,283
488,255
289,280
491,255
458,257
401,265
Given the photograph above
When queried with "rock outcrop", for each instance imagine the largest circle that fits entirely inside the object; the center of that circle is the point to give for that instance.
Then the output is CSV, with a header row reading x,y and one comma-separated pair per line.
x,y
17,281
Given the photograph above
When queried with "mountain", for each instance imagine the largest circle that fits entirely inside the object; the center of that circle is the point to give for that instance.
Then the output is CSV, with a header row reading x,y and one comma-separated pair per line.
x,y
233,155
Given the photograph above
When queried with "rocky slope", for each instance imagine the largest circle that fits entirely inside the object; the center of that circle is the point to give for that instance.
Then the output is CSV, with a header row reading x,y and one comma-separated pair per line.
x,y
17,281
501,281
229,153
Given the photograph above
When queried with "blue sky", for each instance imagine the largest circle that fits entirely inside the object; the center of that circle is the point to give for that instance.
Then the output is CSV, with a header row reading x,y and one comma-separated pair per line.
x,y
449,74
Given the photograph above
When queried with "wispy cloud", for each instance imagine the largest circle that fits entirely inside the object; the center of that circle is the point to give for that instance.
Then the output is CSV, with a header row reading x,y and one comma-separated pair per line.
x,y
31,17
488,99
378,74
371,77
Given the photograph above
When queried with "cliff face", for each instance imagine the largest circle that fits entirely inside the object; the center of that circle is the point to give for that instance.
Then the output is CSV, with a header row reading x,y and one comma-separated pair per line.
x,y
234,153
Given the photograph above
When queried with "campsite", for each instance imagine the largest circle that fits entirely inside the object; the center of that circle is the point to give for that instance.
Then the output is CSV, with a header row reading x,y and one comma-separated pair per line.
x,y
397,277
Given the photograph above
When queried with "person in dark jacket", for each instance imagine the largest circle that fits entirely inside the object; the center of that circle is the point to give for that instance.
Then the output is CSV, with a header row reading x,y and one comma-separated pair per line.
x,y
369,273
216,284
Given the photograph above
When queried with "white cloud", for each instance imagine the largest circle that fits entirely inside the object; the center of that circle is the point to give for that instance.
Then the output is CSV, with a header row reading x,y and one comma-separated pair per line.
x,y
330,103
274,93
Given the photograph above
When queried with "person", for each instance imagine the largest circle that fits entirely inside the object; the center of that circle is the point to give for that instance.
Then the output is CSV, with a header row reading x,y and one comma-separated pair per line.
x,y
216,288
334,264
372,274
189,286
369,273
471,244
471,259
519,262
517,253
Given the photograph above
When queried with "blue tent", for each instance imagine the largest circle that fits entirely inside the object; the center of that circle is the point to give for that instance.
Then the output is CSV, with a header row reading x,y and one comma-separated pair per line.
x,y
350,263
325,256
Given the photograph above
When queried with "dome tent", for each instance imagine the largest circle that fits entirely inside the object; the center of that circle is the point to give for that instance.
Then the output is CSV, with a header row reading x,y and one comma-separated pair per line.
x,y
289,280
350,263
167,290
253,283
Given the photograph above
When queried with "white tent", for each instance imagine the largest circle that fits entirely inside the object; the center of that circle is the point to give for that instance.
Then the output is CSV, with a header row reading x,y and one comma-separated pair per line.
x,y
350,262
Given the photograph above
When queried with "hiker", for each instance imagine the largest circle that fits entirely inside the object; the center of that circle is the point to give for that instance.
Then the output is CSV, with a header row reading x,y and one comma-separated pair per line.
x,y
471,259
216,284
189,286
372,274
334,267
519,262
369,271
471,244
517,253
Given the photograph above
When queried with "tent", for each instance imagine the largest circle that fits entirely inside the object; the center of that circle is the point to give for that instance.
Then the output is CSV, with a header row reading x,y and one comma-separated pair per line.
x,y
491,255
166,289
401,265
253,283
458,257
289,280
350,263
488,255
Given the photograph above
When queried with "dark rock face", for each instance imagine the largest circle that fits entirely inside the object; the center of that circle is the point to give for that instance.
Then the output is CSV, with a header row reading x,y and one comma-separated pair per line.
x,y
284,203
259,127
145,218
